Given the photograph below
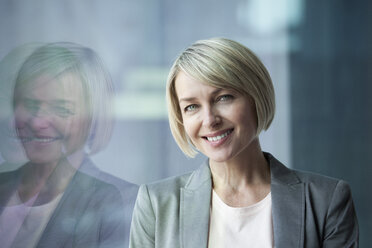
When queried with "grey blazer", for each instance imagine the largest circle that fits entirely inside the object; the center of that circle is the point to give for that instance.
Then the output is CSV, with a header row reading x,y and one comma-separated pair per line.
x,y
91,212
308,210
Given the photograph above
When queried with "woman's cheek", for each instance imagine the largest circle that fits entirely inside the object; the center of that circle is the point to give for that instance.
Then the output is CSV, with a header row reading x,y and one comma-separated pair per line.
x,y
21,117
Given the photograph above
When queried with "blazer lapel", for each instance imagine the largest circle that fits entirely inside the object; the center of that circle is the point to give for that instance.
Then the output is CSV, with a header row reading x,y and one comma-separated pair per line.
x,y
195,208
59,231
288,205
9,182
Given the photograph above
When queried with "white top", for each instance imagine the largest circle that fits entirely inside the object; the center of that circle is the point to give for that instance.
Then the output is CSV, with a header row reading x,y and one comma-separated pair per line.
x,y
22,224
250,226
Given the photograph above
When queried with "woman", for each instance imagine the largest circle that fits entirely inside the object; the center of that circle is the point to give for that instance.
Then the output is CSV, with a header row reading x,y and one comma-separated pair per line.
x,y
58,198
220,97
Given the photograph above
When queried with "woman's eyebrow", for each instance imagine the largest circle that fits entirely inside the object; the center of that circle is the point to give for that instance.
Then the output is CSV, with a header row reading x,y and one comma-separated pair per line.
x,y
187,99
217,91
63,102
190,99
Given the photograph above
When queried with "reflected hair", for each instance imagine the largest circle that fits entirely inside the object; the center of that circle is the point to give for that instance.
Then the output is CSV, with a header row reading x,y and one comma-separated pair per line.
x,y
226,64
57,59
9,67
11,149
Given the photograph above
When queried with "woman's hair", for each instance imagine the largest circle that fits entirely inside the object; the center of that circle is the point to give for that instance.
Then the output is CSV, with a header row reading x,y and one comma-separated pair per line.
x,y
57,59
11,149
9,67
225,64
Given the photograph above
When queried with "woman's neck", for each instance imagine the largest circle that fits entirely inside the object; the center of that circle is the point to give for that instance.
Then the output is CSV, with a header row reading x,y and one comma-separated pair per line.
x,y
244,179
46,180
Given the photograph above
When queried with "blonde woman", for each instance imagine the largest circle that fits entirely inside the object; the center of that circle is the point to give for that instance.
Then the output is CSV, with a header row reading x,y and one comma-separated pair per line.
x,y
220,97
61,116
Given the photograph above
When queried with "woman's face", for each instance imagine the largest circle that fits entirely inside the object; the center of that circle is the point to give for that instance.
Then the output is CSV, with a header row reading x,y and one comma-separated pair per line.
x,y
50,117
221,123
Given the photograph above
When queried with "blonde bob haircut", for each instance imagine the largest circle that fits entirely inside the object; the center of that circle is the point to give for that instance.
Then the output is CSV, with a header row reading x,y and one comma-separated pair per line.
x,y
225,64
59,58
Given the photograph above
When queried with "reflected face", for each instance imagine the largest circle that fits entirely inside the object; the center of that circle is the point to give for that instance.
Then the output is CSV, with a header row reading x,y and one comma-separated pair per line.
x,y
221,123
51,118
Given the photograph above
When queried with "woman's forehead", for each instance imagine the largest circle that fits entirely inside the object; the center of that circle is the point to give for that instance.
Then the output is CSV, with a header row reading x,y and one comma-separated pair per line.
x,y
66,86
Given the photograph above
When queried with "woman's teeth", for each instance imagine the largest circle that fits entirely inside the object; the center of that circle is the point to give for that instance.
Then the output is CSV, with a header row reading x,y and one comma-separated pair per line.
x,y
216,138
41,140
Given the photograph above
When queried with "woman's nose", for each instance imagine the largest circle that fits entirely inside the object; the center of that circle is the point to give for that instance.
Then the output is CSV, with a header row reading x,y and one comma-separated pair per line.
x,y
40,120
211,118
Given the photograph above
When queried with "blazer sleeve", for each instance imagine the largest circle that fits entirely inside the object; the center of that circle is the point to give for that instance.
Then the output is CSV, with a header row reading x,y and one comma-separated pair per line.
x,y
142,233
341,227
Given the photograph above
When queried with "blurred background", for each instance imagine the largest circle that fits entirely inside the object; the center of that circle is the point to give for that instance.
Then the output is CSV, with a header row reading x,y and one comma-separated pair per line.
x,y
319,54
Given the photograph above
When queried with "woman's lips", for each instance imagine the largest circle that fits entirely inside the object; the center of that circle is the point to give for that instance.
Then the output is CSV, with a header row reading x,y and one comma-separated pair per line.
x,y
219,137
43,140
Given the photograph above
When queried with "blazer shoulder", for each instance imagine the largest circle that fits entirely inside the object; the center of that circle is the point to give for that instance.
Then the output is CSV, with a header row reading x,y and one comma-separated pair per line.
x,y
164,193
127,189
329,201
318,180
168,185
289,176
324,188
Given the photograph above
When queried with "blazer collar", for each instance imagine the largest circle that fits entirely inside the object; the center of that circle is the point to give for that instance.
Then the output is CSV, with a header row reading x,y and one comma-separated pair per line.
x,y
288,206
9,182
68,208
195,208
280,174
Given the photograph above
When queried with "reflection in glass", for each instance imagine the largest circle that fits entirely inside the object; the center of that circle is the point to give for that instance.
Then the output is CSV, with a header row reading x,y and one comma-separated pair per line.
x,y
58,115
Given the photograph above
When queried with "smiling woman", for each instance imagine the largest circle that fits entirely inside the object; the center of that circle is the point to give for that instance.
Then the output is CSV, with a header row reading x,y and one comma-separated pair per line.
x,y
51,117
220,97
59,198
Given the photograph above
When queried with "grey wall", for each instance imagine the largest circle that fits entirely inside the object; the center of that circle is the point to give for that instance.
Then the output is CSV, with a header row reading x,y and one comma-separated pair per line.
x,y
331,92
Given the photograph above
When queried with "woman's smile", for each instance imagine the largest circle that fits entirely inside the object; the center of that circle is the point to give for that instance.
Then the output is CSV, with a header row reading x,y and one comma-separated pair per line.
x,y
218,138
40,139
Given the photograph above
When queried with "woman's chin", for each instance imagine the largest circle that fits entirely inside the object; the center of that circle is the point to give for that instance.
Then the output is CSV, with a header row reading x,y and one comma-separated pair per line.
x,y
44,159
219,158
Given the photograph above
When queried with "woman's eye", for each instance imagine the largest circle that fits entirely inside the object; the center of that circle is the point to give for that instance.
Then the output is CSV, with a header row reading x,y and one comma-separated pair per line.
x,y
225,98
62,111
31,106
189,108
